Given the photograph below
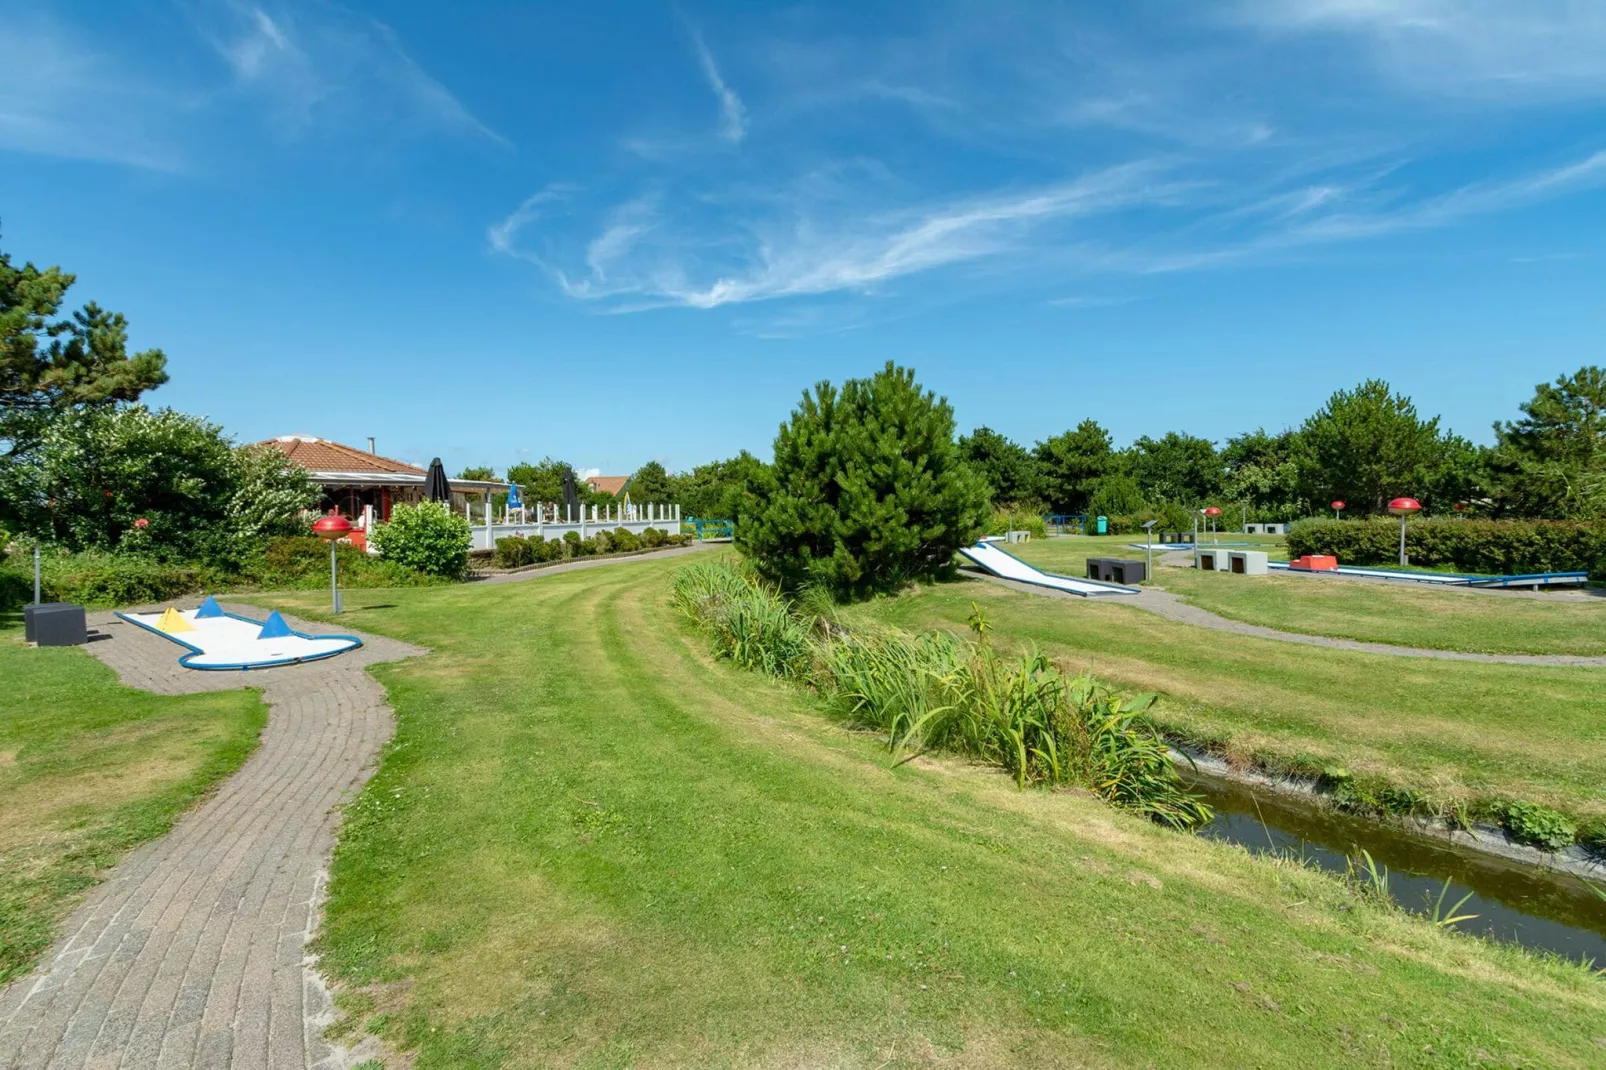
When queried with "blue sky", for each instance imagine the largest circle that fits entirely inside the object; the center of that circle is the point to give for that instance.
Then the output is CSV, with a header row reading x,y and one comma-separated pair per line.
x,y
617,231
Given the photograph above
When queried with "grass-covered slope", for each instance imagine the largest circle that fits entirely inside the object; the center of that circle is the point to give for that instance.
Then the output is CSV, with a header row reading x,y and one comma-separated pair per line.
x,y
88,770
591,845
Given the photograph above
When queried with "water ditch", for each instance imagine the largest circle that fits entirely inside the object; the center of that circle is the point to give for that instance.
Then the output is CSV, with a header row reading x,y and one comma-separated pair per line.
x,y
1513,902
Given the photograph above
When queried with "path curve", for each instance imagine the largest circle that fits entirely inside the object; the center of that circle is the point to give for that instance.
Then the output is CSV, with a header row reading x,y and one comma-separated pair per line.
x,y
1166,604
193,952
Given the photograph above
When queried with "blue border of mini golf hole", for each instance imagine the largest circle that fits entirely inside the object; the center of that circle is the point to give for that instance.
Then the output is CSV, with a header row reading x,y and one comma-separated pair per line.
x,y
184,660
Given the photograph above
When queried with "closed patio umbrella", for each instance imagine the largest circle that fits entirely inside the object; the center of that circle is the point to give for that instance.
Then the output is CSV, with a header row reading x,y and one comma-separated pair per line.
x,y
571,498
436,489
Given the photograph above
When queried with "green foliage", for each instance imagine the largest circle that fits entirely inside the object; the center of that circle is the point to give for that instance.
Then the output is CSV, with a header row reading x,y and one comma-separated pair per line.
x,y
1176,467
514,552
1115,495
1489,547
1263,473
540,482
1537,826
1010,517
1367,446
271,496
746,619
625,540
1592,837
49,366
302,562
653,538
1071,464
99,578
869,493
1552,462
720,490
94,474
650,483
1009,471
426,537
932,691
478,471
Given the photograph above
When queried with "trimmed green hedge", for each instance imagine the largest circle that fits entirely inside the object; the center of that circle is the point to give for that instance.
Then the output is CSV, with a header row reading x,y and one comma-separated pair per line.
x,y
1490,547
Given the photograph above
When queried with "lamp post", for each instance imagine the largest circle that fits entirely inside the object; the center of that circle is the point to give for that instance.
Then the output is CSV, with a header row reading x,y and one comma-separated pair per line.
x,y
1404,508
332,529
1212,513
1148,550
1338,507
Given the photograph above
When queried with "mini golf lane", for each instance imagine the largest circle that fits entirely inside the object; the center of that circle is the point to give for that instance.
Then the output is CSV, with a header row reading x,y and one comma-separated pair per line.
x,y
1444,579
1009,567
220,641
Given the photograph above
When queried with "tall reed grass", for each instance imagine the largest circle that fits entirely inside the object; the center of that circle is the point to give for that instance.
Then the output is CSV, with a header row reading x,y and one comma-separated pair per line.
x,y
937,692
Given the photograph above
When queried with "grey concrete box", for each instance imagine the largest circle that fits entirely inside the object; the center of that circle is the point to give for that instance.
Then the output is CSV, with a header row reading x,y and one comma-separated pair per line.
x,y
1246,562
1116,570
1209,559
59,624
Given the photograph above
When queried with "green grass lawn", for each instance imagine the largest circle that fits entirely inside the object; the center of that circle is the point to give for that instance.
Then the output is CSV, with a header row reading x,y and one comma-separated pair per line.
x,y
589,845
1405,614
1458,731
88,770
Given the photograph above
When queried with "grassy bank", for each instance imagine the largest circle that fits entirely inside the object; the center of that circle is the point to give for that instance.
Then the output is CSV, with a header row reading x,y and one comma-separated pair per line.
x,y
1456,731
590,844
1403,614
88,770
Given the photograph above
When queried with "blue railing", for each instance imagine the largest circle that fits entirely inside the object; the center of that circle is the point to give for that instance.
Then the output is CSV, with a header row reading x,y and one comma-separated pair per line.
x,y
711,529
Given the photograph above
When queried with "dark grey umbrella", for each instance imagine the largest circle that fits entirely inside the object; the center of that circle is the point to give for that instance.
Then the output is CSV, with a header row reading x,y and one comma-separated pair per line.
x,y
436,489
571,499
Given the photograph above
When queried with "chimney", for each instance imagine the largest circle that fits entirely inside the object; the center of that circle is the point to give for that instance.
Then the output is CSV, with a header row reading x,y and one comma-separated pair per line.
x,y
371,444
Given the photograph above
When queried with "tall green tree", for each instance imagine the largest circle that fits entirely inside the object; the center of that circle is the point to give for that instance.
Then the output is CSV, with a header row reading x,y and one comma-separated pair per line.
x,y
1009,470
540,482
1552,461
1365,447
719,490
650,483
50,364
1177,467
1262,471
1071,463
869,491
477,471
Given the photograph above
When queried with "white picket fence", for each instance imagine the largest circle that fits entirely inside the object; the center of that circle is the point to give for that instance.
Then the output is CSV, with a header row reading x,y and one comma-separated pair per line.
x,y
552,522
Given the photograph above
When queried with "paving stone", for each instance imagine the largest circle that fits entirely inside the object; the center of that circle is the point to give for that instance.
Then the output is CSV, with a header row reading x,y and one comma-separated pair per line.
x,y
193,952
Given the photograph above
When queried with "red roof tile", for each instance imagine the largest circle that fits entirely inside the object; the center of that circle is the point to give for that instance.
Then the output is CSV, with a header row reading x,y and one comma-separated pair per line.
x,y
321,455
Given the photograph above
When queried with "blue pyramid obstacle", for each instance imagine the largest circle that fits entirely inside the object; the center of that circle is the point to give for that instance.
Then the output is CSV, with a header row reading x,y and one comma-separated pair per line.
x,y
274,627
209,608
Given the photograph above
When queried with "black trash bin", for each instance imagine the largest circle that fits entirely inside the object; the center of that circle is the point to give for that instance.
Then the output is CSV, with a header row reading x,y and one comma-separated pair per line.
x,y
27,617
55,624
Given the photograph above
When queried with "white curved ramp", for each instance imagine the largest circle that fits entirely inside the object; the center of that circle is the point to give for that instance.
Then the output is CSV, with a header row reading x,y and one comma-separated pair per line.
x,y
223,641
1009,567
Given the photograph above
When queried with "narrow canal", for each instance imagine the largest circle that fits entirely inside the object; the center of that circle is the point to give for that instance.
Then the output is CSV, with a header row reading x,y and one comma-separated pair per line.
x,y
1513,902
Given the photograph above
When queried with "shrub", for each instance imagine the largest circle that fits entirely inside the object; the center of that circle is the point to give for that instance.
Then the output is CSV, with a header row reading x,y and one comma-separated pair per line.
x,y
625,540
932,691
603,541
653,538
574,546
543,550
427,537
99,579
1536,826
1498,547
1008,518
302,561
514,551
868,492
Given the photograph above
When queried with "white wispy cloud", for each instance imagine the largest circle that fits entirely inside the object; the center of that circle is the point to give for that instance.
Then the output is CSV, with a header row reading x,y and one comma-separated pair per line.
x,y
62,96
308,64
732,113
1482,47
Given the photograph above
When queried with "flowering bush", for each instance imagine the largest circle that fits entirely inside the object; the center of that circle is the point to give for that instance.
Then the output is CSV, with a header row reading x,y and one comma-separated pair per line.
x,y
427,537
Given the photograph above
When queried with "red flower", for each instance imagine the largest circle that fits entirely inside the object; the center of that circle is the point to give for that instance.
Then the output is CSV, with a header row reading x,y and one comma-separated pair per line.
x,y
142,523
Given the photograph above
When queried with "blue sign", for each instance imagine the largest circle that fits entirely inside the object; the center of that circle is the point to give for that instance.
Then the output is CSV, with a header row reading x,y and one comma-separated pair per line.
x,y
514,501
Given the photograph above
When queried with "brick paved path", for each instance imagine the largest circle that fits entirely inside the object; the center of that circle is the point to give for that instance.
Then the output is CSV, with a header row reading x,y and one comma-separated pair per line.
x,y
193,953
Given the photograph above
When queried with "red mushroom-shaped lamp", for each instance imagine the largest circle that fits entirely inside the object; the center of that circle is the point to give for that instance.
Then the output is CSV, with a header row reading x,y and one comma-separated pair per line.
x,y
1338,507
1211,512
332,529
1404,508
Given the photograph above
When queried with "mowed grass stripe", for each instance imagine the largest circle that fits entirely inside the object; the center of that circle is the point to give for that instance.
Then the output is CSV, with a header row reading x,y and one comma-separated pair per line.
x,y
1456,729
601,848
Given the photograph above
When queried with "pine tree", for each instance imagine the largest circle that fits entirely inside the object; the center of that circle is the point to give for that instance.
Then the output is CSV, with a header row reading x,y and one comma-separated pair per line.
x,y
867,490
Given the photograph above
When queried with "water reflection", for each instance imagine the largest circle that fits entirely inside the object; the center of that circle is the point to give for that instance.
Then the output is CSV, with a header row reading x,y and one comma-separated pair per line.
x,y
1512,901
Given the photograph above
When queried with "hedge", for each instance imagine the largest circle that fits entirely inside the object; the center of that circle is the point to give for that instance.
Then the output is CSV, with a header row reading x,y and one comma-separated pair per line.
x,y
1489,547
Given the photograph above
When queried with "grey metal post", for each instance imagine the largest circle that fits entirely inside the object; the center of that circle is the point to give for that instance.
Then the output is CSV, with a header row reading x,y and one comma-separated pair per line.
x,y
334,580
1403,561
36,574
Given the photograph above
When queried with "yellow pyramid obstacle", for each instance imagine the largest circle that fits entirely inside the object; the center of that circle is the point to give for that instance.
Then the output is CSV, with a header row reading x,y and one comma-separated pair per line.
x,y
172,622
